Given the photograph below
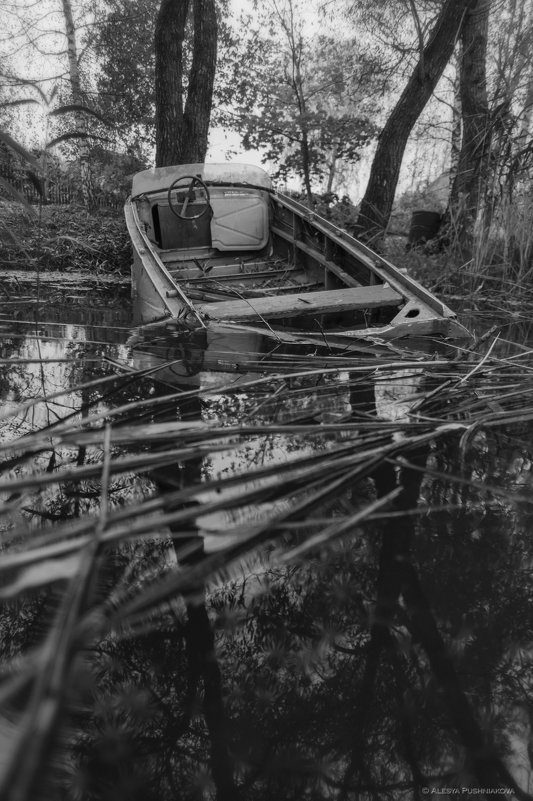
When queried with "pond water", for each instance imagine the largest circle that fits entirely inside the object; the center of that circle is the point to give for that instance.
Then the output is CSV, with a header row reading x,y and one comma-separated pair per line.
x,y
345,648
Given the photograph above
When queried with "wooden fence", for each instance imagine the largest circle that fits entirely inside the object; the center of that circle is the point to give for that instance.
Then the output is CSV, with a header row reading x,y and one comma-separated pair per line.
x,y
62,191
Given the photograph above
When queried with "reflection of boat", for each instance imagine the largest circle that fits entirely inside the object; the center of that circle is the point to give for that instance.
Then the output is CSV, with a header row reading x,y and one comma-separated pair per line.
x,y
190,358
214,244
221,353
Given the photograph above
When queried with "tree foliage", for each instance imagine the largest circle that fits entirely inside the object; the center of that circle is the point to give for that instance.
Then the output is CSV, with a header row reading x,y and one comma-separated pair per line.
x,y
124,44
302,98
510,94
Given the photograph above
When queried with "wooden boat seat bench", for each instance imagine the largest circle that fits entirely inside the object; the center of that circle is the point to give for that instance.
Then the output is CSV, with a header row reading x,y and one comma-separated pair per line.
x,y
213,270
302,303
290,273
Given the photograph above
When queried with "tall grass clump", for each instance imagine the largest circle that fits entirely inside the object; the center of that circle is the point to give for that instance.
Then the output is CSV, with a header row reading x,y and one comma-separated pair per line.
x,y
494,262
504,249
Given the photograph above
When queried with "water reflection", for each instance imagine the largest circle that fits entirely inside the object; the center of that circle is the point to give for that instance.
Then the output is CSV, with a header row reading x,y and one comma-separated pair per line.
x,y
395,660
52,356
419,702
43,354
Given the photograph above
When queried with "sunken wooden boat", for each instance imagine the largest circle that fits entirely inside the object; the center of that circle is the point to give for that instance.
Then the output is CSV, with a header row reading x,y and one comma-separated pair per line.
x,y
215,244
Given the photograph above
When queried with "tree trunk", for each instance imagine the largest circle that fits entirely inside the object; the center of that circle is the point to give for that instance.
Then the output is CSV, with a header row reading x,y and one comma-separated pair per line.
x,y
169,36
376,206
527,114
201,82
306,164
203,670
468,188
181,133
457,123
297,83
332,168
203,663
87,183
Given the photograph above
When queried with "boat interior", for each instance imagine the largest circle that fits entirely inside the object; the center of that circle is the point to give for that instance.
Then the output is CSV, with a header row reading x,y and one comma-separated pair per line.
x,y
240,252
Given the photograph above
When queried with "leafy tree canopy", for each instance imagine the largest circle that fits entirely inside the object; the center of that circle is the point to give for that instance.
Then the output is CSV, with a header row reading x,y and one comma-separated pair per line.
x,y
304,99
124,44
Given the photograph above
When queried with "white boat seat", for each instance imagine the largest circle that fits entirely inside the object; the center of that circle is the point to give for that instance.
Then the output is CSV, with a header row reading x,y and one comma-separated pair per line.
x,y
239,215
240,218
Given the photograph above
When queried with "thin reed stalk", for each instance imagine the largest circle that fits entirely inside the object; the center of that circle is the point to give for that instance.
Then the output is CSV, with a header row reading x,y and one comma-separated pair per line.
x,y
228,479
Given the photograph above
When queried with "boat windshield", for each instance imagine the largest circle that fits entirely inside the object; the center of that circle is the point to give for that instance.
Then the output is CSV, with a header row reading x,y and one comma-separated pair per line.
x,y
158,179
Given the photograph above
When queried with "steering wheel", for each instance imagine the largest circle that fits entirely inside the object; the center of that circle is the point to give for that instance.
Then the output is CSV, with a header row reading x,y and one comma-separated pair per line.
x,y
193,182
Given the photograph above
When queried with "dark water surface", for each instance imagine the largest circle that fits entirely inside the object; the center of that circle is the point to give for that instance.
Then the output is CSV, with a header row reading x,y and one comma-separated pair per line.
x,y
391,663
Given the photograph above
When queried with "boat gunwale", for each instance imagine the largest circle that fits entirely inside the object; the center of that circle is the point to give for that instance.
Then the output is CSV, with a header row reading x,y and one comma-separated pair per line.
x,y
136,226
385,269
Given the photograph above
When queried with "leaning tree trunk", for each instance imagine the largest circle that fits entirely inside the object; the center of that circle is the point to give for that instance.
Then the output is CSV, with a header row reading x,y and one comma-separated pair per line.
x,y
87,183
182,133
468,189
376,205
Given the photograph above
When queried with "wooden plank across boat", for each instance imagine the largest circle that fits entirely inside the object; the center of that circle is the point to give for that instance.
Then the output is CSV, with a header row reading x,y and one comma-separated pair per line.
x,y
213,243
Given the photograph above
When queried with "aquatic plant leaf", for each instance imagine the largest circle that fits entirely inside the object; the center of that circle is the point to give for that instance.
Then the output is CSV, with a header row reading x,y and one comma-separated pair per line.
x,y
67,137
40,574
78,108
80,242
19,149
48,553
39,719
339,528
23,101
289,493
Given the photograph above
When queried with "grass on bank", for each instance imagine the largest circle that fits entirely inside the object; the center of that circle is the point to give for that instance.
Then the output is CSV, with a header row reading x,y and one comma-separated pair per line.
x,y
499,267
496,269
65,239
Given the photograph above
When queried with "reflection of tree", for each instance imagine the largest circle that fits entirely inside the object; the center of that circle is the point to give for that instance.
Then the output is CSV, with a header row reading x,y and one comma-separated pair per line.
x,y
321,704
486,618
87,365
202,670
392,711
